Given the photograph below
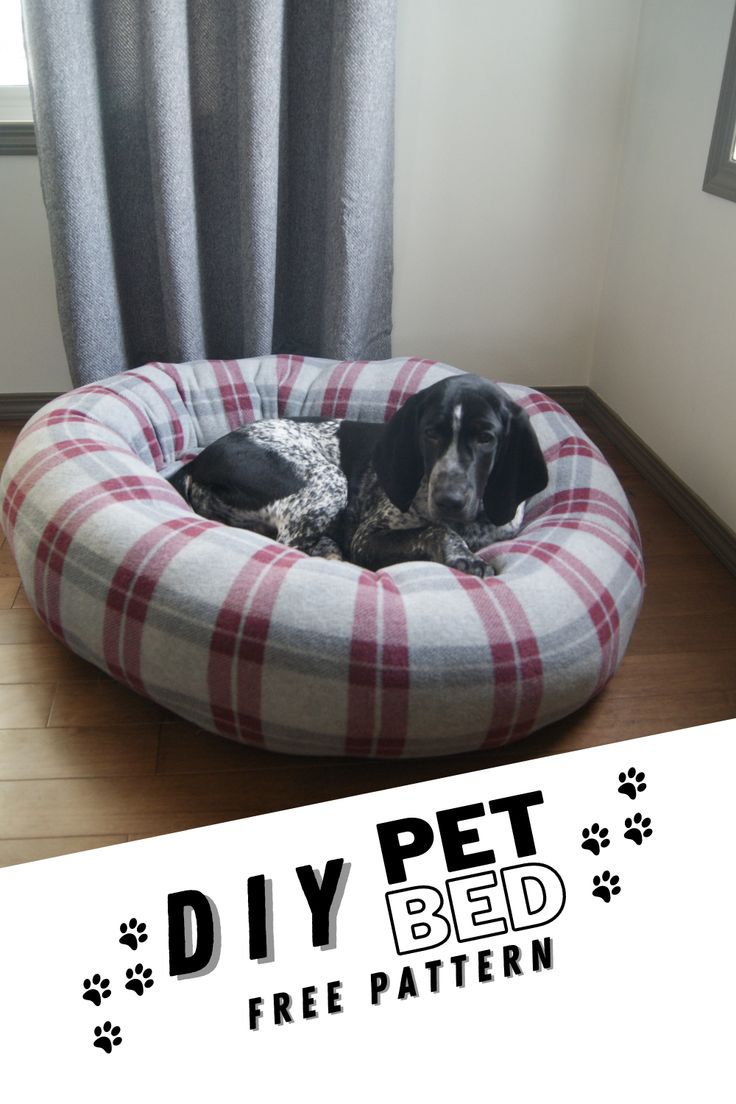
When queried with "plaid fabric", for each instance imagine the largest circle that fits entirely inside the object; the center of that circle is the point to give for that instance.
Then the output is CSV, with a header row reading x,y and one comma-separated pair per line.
x,y
271,647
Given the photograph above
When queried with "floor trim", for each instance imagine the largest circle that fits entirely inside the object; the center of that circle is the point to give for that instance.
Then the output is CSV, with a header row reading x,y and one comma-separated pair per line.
x,y
714,533
573,397
19,407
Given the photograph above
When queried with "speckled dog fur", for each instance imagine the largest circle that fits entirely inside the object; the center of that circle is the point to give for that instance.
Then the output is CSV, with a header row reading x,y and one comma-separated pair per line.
x,y
446,477
309,517
371,516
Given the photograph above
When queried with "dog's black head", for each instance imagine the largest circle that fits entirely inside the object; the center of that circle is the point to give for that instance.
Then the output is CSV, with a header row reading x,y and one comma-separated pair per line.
x,y
476,447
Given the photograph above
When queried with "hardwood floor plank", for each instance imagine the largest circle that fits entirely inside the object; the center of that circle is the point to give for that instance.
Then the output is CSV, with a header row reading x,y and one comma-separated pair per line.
x,y
673,672
78,752
9,430
7,564
185,749
663,532
710,600
45,661
21,600
99,703
104,806
26,706
166,824
9,588
22,626
689,632
31,850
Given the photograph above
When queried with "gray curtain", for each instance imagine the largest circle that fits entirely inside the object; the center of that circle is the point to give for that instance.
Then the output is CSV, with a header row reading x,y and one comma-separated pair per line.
x,y
217,176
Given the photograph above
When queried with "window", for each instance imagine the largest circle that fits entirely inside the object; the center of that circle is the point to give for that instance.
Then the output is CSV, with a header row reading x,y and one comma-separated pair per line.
x,y
16,120
720,172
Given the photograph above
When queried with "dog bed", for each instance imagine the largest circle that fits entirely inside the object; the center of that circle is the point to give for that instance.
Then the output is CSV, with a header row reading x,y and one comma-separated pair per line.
x,y
271,647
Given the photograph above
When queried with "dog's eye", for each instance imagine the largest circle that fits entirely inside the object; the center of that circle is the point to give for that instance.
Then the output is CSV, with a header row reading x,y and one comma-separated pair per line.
x,y
432,434
485,438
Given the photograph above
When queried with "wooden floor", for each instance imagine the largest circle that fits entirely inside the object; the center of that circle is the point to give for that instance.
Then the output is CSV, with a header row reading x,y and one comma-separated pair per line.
x,y
85,762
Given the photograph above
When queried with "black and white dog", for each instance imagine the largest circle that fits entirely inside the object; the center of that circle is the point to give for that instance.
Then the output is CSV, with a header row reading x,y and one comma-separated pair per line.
x,y
445,477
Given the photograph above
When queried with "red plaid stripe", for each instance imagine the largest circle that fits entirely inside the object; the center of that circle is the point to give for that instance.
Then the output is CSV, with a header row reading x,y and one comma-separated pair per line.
x,y
45,461
379,673
174,420
535,402
395,671
590,500
59,533
172,371
236,400
408,381
149,434
363,669
595,596
517,682
287,373
68,416
339,388
132,590
572,446
239,638
629,552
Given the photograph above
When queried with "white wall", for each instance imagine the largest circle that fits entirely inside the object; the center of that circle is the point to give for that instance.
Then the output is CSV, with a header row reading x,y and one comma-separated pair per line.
x,y
665,356
31,351
509,129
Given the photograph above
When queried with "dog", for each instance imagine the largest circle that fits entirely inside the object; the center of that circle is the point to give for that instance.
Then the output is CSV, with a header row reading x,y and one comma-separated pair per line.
x,y
445,477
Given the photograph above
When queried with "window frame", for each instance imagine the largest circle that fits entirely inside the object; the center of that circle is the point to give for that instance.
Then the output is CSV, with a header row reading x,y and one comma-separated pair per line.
x,y
720,171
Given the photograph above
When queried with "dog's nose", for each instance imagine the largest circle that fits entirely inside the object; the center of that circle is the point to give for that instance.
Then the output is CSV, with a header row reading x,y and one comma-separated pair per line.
x,y
449,501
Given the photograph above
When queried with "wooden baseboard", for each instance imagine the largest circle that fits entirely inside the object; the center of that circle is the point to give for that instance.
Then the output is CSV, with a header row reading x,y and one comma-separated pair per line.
x,y
17,138
714,533
20,407
573,397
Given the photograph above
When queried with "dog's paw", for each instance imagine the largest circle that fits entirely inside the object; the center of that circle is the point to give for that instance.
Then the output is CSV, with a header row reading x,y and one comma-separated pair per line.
x,y
327,549
471,565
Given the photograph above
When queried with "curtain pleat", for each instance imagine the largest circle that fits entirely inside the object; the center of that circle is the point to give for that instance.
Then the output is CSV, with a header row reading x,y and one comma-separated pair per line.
x,y
217,176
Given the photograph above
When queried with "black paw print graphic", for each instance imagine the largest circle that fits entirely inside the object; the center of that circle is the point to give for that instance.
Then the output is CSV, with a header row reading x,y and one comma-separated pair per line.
x,y
637,828
138,979
95,989
133,933
595,839
632,782
606,885
107,1037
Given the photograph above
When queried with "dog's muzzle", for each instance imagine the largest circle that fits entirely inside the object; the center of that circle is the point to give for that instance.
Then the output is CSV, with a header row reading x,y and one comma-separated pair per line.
x,y
450,503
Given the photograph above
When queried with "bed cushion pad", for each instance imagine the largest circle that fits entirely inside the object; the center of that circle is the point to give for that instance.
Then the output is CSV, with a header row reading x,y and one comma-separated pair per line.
x,y
276,649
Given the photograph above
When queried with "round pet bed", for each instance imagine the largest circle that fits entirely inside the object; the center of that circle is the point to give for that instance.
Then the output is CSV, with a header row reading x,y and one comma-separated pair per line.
x,y
274,648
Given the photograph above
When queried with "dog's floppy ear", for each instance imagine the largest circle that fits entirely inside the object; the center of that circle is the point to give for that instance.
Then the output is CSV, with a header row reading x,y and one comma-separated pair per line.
x,y
519,470
397,458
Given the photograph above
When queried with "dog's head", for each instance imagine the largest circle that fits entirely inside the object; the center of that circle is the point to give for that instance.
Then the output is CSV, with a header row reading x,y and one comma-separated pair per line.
x,y
476,447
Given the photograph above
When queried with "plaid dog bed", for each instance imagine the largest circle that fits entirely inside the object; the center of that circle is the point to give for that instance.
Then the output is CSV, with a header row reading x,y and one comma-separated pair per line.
x,y
277,649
